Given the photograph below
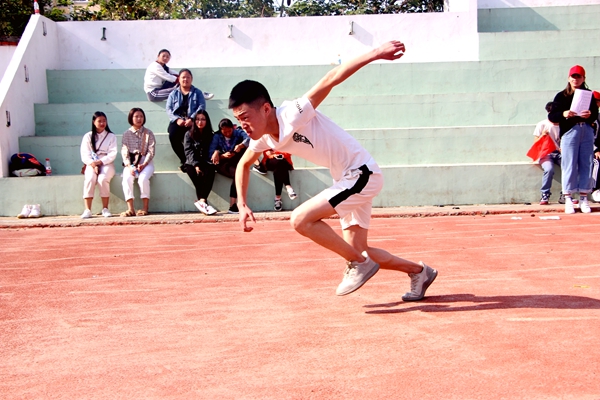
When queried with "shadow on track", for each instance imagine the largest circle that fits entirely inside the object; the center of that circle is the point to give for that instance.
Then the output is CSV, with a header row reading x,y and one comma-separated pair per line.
x,y
436,303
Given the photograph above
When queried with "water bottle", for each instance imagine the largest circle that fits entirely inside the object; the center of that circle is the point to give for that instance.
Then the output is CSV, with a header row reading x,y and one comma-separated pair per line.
x,y
48,167
36,7
136,173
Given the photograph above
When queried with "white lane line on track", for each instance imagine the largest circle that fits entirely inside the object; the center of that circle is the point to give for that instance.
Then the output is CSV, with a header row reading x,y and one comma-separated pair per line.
x,y
111,291
550,319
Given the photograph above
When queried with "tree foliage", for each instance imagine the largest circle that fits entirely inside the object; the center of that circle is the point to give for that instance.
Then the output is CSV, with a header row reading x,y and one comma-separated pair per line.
x,y
16,13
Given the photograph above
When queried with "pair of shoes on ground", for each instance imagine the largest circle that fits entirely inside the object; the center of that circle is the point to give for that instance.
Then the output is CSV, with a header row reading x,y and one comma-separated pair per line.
x,y
583,202
130,213
291,194
88,213
357,274
30,211
205,208
233,209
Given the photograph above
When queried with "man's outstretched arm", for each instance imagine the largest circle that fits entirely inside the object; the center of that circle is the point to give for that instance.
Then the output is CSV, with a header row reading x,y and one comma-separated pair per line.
x,y
388,51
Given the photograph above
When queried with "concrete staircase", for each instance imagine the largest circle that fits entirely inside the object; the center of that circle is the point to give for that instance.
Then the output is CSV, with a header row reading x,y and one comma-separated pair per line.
x,y
444,133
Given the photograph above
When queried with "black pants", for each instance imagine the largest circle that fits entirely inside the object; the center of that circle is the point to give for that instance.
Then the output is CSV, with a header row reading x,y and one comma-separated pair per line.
x,y
226,167
176,134
203,182
281,173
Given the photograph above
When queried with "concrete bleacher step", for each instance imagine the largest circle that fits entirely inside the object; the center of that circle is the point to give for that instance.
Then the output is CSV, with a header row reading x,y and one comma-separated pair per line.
x,y
556,18
406,146
418,185
289,82
539,45
372,112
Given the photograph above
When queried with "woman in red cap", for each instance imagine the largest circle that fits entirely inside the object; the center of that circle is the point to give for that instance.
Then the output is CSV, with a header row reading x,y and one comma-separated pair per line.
x,y
577,140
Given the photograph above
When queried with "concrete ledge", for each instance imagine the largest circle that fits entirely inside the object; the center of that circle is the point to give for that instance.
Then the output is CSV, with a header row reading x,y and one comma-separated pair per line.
x,y
457,184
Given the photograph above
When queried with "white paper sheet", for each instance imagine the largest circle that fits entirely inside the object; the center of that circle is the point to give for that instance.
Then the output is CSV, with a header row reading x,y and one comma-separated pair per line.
x,y
581,101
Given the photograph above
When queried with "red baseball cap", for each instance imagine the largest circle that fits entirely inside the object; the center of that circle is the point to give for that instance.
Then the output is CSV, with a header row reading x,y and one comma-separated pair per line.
x,y
596,95
577,69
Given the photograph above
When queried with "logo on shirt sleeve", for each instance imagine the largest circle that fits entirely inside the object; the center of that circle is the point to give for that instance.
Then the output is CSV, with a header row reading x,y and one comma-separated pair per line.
x,y
298,138
299,107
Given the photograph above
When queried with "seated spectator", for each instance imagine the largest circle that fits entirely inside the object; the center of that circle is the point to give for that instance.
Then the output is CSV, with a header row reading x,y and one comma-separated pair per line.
x,y
160,80
281,165
547,162
227,147
98,152
182,106
138,153
198,165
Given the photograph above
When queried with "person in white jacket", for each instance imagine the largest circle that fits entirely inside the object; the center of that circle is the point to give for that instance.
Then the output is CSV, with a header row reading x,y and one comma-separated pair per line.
x,y
160,80
98,153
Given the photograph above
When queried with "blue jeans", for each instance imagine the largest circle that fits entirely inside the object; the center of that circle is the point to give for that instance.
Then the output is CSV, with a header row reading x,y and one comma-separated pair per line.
x,y
577,147
547,164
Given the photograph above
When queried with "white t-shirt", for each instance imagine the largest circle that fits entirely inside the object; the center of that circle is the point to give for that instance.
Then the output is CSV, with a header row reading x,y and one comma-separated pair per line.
x,y
553,131
156,76
307,133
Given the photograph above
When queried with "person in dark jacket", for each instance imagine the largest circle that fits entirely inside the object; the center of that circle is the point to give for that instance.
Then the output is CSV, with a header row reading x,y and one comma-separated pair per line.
x,y
196,144
577,140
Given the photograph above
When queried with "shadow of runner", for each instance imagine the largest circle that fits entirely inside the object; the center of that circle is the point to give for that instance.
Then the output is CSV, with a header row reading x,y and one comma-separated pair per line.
x,y
436,303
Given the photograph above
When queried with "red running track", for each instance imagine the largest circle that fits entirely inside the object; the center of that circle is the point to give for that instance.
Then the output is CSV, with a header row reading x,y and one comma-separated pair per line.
x,y
204,311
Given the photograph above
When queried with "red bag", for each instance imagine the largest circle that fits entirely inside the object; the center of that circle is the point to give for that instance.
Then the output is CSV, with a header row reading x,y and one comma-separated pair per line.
x,y
542,147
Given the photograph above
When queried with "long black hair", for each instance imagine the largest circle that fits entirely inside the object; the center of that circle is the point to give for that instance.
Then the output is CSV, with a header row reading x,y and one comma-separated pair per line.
x,y
98,114
206,133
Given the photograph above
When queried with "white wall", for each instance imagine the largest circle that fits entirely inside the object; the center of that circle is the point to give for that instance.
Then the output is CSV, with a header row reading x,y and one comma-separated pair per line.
x,y
38,53
6,53
533,3
266,41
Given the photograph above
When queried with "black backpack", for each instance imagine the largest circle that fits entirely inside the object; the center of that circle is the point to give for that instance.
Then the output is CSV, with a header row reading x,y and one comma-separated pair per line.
x,y
25,164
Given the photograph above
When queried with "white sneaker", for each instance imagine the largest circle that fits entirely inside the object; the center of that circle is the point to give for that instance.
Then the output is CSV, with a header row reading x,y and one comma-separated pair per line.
x,y
86,214
584,205
205,208
207,95
291,194
36,212
106,213
25,211
356,275
420,282
569,207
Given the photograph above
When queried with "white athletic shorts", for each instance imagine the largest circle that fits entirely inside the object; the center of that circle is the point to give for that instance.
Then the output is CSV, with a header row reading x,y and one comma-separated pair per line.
x,y
352,196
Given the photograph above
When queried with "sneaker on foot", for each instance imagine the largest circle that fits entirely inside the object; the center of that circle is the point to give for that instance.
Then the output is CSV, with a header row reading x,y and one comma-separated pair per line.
x,y
419,283
207,95
234,209
205,208
291,194
86,214
106,213
561,198
569,208
544,199
36,212
584,205
25,211
278,205
356,275
259,169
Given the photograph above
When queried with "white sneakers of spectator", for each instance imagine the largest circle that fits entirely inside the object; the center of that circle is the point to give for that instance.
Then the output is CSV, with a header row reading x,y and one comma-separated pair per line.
x,y
207,95
30,211
205,208
584,205
88,213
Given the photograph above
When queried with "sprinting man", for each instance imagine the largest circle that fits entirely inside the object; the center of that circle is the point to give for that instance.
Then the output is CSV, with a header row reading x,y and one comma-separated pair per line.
x,y
298,128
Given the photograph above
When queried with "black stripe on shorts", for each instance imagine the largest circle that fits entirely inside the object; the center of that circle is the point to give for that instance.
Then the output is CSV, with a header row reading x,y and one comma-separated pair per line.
x,y
360,184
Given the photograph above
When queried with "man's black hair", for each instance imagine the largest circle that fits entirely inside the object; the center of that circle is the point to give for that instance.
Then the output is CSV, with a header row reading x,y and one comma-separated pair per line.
x,y
249,92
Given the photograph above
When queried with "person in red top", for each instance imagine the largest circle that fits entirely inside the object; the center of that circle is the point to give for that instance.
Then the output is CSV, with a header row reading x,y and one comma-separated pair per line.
x,y
281,164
